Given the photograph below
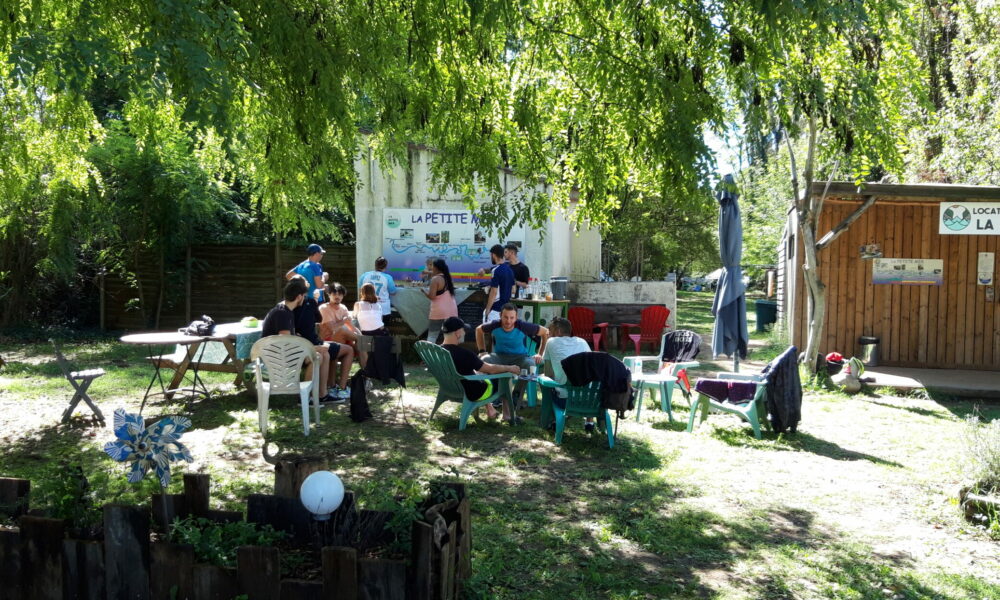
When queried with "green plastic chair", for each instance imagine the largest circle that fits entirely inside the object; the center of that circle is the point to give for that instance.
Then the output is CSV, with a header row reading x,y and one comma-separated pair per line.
x,y
450,389
584,401
753,411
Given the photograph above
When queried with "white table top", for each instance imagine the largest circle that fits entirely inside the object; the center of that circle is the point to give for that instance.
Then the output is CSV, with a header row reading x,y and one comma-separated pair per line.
x,y
160,337
654,377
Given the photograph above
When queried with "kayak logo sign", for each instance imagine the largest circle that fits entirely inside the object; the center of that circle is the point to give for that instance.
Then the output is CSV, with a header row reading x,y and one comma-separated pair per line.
x,y
969,218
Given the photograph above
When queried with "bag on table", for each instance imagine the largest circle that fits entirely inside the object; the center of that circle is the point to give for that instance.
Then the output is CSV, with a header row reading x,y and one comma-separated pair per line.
x,y
199,327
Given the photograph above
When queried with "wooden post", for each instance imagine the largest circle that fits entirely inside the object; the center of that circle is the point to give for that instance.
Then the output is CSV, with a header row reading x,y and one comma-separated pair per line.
x,y
215,583
422,581
187,284
258,572
381,579
83,570
172,567
284,514
463,533
300,589
41,558
278,273
166,508
196,487
14,495
289,474
447,573
340,572
10,564
126,552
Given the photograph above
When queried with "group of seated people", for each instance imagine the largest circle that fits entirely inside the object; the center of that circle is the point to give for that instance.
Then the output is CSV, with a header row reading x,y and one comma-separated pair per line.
x,y
336,337
512,339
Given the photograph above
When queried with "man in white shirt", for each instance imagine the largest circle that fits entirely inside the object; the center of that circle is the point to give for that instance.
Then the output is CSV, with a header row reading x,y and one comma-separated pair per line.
x,y
562,344
385,285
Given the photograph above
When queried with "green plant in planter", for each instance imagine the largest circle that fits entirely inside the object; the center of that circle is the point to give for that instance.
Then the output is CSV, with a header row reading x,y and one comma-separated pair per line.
x,y
216,543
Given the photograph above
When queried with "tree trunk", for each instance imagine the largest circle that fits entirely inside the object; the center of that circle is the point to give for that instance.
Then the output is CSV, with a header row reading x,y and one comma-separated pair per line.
x,y
808,209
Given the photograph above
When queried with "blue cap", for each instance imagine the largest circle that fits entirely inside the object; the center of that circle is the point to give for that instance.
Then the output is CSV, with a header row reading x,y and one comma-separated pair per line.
x,y
314,248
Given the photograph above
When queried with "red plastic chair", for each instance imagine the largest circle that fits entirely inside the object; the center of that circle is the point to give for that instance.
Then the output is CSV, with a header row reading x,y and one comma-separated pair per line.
x,y
651,326
582,320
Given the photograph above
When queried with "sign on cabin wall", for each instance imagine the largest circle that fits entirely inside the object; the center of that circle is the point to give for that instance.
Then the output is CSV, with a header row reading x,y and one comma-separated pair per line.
x,y
969,218
411,236
984,269
908,271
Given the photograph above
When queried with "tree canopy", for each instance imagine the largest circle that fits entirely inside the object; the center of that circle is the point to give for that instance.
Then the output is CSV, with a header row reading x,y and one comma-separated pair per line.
x,y
608,102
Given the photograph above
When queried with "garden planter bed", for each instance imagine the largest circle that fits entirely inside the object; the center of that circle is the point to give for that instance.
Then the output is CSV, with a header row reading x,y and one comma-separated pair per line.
x,y
348,556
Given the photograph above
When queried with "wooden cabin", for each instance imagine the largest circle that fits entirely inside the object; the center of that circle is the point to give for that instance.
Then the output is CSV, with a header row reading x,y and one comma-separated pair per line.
x,y
917,270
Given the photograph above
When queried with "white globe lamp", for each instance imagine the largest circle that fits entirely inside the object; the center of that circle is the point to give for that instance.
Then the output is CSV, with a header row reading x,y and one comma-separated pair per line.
x,y
321,494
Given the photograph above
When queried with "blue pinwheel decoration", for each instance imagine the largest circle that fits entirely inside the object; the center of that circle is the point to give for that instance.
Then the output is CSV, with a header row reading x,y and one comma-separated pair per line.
x,y
154,447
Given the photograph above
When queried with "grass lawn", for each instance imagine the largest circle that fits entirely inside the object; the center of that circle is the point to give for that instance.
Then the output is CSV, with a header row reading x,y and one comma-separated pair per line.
x,y
856,505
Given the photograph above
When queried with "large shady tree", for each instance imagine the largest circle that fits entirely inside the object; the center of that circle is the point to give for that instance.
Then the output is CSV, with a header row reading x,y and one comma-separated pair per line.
x,y
604,101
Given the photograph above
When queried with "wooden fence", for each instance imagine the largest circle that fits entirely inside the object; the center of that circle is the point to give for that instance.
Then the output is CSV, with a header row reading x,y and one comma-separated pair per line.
x,y
39,561
224,282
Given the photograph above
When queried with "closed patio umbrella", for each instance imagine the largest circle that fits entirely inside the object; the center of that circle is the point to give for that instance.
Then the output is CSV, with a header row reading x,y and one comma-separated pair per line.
x,y
729,336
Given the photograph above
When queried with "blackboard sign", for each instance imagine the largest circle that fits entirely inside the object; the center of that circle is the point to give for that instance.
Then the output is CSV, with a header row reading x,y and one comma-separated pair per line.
x,y
471,311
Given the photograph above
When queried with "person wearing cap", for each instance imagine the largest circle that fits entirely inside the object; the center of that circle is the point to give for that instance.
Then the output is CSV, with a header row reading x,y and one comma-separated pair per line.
x,y
312,271
522,275
385,285
467,363
501,284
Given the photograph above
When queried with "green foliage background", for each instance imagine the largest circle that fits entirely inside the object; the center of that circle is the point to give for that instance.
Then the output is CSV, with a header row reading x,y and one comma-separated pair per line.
x,y
138,127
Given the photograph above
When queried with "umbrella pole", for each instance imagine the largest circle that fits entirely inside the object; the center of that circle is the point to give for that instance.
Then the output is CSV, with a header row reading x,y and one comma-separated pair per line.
x,y
736,362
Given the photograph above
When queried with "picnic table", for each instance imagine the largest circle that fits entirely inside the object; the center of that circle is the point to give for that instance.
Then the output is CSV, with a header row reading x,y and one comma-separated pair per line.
x,y
226,350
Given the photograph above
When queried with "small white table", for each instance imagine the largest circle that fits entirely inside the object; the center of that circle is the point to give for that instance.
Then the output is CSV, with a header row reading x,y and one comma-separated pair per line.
x,y
650,381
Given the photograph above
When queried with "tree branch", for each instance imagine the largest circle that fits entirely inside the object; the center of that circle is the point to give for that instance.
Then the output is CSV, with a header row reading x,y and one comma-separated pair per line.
x,y
841,227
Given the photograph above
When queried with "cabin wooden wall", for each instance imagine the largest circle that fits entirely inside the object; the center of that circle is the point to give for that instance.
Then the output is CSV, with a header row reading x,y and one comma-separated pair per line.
x,y
946,326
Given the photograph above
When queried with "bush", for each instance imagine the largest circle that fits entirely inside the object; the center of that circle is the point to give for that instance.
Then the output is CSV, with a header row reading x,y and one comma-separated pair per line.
x,y
982,450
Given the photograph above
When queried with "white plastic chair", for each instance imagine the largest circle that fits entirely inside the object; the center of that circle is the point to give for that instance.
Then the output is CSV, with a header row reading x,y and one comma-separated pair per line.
x,y
282,358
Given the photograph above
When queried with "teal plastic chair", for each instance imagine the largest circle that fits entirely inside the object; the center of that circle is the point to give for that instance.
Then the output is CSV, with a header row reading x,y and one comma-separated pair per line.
x,y
753,411
450,389
584,401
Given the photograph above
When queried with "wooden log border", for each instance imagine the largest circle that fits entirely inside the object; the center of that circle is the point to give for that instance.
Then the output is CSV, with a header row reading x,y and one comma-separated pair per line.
x,y
37,560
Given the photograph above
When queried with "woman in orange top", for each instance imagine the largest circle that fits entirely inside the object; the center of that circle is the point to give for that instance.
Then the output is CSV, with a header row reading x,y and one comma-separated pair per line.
x,y
442,296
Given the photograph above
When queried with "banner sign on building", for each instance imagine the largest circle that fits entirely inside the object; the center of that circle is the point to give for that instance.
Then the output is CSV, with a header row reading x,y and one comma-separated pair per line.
x,y
908,271
411,236
969,218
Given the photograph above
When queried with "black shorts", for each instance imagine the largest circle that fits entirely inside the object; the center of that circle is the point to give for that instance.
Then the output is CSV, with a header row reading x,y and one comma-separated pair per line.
x,y
374,332
334,349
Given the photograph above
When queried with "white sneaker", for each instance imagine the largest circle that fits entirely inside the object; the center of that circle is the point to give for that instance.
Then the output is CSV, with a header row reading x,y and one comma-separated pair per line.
x,y
344,393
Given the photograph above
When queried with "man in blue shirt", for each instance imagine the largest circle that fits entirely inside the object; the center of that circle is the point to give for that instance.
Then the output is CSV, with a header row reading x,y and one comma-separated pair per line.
x,y
510,342
312,271
500,285
385,285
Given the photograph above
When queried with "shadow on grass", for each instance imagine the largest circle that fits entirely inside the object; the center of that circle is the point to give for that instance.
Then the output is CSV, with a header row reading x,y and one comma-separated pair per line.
x,y
800,441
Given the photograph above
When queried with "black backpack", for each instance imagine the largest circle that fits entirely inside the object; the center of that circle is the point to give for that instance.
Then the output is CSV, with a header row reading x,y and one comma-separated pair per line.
x,y
199,327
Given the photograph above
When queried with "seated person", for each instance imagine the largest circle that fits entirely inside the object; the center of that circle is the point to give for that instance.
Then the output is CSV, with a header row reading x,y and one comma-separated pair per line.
x,y
368,311
307,315
337,325
467,363
510,344
562,344
280,320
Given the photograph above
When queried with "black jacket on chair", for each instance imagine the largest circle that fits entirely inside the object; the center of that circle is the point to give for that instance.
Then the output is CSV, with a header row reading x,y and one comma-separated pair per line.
x,y
784,391
585,367
383,364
